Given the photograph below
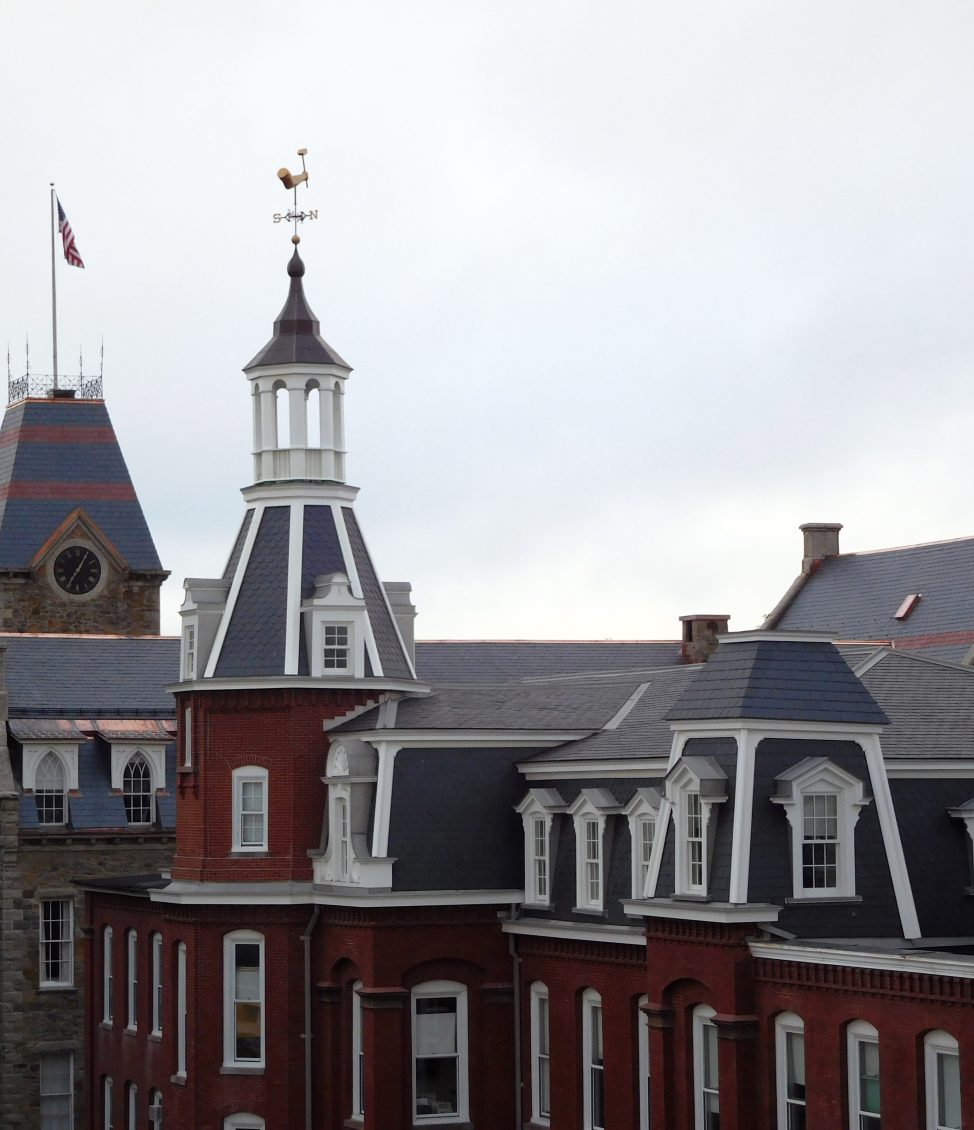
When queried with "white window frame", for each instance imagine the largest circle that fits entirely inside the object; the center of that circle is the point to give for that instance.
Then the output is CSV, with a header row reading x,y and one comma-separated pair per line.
x,y
243,1122
132,1105
131,980
817,776
787,1025
107,975
588,812
860,1034
684,782
188,737
35,752
156,950
107,1099
155,1108
139,757
358,1055
642,813
249,775
593,1061
181,1011
703,1022
427,991
47,1118
642,1062
230,943
540,1054
938,1047
331,648
59,793
56,937
537,812
190,652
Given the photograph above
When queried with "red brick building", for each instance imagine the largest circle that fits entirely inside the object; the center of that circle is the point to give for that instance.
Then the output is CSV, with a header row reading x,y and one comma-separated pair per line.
x,y
580,886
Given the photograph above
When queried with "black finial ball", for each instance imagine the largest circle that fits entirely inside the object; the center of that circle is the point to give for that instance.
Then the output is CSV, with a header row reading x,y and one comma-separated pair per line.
x,y
295,267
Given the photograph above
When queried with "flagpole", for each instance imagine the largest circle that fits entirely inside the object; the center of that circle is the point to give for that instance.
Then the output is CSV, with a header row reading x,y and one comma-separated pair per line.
x,y
53,289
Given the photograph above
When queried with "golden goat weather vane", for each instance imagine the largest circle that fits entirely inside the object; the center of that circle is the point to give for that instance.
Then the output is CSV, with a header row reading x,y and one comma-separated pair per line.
x,y
291,181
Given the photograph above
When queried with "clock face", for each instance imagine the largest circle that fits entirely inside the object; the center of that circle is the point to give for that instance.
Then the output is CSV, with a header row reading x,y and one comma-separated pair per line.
x,y
77,569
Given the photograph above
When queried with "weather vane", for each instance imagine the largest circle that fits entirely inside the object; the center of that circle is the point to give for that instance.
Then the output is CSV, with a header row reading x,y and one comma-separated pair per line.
x,y
291,181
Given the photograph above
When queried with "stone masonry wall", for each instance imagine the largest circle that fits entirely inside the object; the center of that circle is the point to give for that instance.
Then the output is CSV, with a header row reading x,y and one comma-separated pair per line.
x,y
127,605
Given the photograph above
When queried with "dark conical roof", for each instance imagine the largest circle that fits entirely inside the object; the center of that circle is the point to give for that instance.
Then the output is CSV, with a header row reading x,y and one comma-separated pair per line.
x,y
296,338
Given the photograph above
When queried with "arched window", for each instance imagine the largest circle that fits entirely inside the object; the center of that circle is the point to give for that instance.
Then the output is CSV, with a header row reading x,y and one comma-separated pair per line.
x,y
790,1070
540,1055
706,1073
49,789
313,397
106,976
137,790
942,1069
864,1084
593,1081
358,1054
645,1087
439,1029
155,1109
282,417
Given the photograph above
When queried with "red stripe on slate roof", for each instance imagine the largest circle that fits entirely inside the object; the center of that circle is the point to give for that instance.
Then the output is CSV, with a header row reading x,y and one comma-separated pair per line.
x,y
934,639
58,433
91,492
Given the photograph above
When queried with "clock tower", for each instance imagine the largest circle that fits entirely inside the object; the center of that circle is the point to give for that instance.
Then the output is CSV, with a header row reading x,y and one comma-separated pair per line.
x,y
76,554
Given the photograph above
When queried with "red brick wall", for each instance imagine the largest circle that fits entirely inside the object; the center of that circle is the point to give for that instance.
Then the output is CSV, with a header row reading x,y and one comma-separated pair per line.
x,y
280,730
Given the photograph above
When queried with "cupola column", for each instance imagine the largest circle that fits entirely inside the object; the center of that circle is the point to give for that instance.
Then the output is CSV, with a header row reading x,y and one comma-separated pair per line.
x,y
298,405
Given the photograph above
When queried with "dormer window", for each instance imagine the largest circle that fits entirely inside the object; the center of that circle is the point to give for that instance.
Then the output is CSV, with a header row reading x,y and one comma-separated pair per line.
x,y
537,812
352,769
642,813
694,787
49,790
589,812
822,803
337,647
137,772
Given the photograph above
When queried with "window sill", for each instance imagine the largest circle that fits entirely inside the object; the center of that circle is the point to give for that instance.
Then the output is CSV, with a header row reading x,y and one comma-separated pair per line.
x,y
821,900
155,1037
131,1029
353,1123
57,988
179,1079
232,1069
243,852
591,911
185,768
439,1121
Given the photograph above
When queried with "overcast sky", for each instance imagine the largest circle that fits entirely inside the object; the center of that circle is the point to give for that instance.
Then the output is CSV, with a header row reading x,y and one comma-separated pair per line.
x,y
630,289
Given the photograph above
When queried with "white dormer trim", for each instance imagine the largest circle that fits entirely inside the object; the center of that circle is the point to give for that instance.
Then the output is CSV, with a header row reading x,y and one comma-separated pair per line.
x,y
221,632
333,606
642,813
348,860
588,812
694,788
154,754
34,754
295,562
537,811
817,779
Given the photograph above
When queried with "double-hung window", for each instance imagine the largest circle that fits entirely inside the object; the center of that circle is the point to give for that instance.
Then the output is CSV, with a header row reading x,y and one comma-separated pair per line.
x,y
864,1085
107,976
137,791
132,1106
131,980
107,1099
693,831
537,813
540,1055
790,1070
243,988
57,1091
706,1070
57,943
157,984
181,1011
589,811
642,812
822,803
336,647
250,808
645,1088
593,1080
50,790
694,788
942,1070
358,1055
439,1031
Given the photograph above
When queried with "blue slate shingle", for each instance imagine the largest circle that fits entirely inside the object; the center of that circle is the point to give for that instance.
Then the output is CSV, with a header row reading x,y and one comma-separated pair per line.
x,y
462,661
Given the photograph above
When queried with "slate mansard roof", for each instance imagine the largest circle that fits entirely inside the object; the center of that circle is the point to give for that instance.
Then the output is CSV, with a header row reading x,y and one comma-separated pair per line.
x,y
471,661
757,676
857,595
57,456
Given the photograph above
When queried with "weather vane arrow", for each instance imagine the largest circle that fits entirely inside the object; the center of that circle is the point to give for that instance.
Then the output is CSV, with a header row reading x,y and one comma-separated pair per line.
x,y
291,181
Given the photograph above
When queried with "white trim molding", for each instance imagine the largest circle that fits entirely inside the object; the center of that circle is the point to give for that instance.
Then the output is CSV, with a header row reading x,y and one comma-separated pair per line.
x,y
537,811
694,788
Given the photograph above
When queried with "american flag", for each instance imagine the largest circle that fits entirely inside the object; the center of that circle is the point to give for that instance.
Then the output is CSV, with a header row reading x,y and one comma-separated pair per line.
x,y
70,247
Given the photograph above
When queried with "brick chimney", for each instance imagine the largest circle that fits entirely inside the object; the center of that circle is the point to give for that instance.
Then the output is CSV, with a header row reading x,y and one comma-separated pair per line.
x,y
821,541
700,636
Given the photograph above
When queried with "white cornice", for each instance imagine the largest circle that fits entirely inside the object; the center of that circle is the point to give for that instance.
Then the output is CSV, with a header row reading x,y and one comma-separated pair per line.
x,y
772,635
772,727
300,490
579,932
460,738
299,682
614,767
724,912
293,894
940,768
932,965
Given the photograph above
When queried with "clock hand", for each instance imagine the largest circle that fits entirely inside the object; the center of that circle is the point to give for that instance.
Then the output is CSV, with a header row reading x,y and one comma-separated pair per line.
x,y
80,564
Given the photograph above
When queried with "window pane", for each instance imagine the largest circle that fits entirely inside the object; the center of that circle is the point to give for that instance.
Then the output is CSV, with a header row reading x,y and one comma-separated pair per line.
x,y
436,1026
948,1091
436,1086
247,1014
869,1077
57,1091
